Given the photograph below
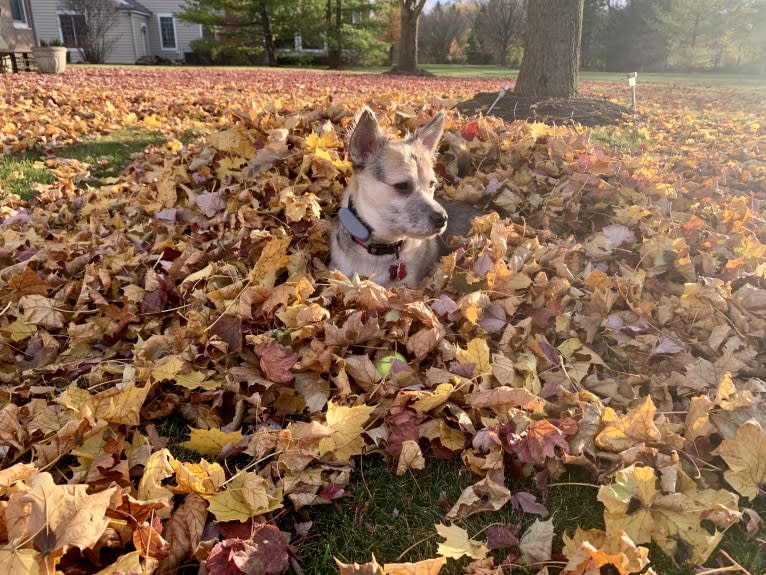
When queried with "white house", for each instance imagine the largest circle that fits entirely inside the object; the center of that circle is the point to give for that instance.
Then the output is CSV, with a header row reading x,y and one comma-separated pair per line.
x,y
145,28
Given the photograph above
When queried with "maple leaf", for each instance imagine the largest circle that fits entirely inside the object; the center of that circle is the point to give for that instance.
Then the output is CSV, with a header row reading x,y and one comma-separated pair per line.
x,y
589,551
457,544
211,442
201,478
745,455
539,441
247,495
536,543
410,457
275,360
347,424
486,495
20,561
63,516
622,432
476,353
270,556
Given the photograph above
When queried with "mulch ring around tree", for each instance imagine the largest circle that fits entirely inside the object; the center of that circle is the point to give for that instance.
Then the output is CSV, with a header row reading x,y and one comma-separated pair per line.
x,y
585,111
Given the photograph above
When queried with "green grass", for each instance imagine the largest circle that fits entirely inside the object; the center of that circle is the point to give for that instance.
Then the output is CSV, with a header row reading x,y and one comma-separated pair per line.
x,y
107,155
110,154
19,173
499,72
393,518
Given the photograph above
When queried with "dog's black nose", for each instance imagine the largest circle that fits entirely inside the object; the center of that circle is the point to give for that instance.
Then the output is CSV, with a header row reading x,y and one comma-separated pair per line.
x,y
438,219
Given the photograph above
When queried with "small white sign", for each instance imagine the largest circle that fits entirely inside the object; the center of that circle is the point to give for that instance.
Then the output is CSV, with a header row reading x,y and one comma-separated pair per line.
x,y
632,79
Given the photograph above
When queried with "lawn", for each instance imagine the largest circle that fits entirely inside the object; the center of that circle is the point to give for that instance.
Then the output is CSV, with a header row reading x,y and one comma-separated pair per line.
x,y
182,375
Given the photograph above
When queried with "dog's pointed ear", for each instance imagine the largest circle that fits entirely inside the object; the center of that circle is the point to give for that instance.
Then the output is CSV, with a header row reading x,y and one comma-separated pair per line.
x,y
431,133
366,138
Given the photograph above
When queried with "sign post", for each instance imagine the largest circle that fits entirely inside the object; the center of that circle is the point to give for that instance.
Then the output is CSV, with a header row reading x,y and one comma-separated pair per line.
x,y
632,83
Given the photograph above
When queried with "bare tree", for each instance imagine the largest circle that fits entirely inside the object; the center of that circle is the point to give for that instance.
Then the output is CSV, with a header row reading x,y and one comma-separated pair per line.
x,y
444,27
98,18
501,23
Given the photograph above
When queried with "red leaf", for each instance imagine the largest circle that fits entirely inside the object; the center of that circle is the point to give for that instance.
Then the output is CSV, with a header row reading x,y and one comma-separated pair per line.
x,y
276,361
501,537
539,441
528,504
270,557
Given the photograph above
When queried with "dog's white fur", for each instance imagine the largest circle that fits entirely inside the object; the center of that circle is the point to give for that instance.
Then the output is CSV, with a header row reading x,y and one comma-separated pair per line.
x,y
392,192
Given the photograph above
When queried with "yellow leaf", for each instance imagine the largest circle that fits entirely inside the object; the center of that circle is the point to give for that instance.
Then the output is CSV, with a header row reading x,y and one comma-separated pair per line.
x,y
410,458
128,563
19,330
477,353
203,477
20,561
173,368
627,501
750,248
347,424
210,442
247,495
157,468
594,548
746,457
272,260
298,207
234,140
636,426
434,399
66,513
456,543
121,404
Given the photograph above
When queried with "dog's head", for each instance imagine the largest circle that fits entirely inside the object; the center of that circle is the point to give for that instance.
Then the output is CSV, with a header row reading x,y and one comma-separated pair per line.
x,y
393,182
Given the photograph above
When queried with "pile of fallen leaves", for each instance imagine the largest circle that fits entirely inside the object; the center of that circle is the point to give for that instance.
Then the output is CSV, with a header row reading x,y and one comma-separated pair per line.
x,y
607,312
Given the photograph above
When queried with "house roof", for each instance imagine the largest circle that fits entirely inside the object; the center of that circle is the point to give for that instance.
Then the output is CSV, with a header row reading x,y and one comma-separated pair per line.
x,y
133,5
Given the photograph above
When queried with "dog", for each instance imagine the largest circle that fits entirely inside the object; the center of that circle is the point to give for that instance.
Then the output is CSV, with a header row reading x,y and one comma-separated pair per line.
x,y
389,223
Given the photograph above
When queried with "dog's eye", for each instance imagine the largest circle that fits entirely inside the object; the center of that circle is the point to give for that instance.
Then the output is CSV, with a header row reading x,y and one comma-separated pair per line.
x,y
403,187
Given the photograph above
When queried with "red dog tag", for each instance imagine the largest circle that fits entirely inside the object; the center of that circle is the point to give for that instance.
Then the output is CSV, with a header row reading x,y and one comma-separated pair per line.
x,y
398,271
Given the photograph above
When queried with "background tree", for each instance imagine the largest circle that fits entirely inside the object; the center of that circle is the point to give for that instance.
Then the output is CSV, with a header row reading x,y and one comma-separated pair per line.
x,y
98,18
408,44
595,25
354,29
551,49
244,28
444,30
501,23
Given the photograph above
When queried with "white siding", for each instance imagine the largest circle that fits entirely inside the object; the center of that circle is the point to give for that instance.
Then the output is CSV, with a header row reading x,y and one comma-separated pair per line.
x,y
128,46
185,32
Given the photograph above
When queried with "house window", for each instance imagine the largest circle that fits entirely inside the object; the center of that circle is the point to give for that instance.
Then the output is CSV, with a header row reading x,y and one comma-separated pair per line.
x,y
167,31
72,29
17,12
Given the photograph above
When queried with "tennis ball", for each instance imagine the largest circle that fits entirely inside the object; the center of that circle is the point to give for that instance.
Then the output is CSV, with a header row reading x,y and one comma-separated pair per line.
x,y
383,365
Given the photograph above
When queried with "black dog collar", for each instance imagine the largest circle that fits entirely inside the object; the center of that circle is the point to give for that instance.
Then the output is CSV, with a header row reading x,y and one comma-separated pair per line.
x,y
360,232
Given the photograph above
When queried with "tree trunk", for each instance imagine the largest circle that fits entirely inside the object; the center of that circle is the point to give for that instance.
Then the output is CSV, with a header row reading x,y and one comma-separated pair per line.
x,y
408,43
268,38
551,50
334,40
